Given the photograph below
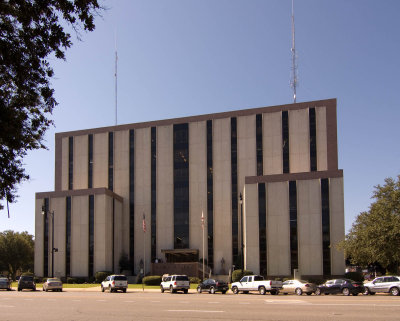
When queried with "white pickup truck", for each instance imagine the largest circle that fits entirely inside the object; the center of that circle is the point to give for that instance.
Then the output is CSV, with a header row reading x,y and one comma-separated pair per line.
x,y
256,283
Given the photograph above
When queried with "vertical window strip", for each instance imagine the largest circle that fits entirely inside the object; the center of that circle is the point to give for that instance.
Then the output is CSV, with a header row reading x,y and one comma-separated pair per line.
x,y
285,141
262,219
326,252
68,237
294,258
235,228
210,205
113,235
110,161
46,238
153,193
313,139
181,186
90,161
70,162
91,236
132,198
259,144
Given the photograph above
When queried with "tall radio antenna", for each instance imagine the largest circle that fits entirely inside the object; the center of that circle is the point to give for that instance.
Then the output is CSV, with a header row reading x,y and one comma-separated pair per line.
x,y
293,81
116,79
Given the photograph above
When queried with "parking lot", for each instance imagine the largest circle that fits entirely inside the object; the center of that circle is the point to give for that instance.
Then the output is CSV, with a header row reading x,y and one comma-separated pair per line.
x,y
91,304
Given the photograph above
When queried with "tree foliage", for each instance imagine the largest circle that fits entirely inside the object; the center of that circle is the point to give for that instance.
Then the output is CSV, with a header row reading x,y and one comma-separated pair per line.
x,y
375,235
16,252
31,32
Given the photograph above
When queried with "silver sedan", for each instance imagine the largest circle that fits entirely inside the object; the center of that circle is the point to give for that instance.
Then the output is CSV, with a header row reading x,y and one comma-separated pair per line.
x,y
53,284
298,286
5,284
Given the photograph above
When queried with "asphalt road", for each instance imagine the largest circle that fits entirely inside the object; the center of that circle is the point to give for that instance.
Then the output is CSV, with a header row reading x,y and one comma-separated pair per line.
x,y
83,304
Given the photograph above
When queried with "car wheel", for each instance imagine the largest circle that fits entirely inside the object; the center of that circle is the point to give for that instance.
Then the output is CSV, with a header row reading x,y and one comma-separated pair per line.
x,y
171,290
394,291
19,289
299,291
212,290
235,290
102,289
199,289
110,288
185,291
60,290
367,291
43,289
162,289
346,292
124,290
223,292
318,291
261,290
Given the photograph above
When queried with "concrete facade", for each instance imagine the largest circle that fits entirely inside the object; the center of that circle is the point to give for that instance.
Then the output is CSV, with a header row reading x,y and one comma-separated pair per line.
x,y
113,210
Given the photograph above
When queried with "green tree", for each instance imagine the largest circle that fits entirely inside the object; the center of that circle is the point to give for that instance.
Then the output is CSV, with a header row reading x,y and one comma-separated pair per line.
x,y
16,252
31,32
375,235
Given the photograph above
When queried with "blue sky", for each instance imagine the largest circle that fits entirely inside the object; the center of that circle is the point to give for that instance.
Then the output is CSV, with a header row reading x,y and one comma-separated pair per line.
x,y
186,57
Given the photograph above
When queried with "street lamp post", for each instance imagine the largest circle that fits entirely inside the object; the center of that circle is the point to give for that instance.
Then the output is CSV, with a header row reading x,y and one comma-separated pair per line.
x,y
53,249
241,228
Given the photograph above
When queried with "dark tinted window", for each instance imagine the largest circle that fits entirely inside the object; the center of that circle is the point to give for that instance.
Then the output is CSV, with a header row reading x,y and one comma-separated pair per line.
x,y
27,278
258,278
120,278
182,278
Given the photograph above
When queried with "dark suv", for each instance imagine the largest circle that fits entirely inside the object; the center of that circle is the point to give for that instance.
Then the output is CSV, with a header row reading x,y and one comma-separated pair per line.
x,y
26,282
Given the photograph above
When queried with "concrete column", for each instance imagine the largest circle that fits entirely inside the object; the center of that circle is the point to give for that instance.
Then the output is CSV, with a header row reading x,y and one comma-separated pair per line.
x,y
299,141
64,163
309,227
81,159
272,143
142,195
39,237
322,145
251,229
121,183
336,212
278,232
80,236
198,186
165,189
222,194
100,160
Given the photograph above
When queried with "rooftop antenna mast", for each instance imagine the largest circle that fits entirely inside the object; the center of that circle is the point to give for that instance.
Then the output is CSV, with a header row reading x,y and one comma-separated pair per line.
x,y
116,79
293,81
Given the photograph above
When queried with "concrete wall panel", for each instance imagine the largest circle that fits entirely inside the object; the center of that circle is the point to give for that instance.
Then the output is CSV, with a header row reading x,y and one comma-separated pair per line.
x,y
39,237
59,207
197,185
272,143
81,159
299,141
309,227
251,229
100,160
222,194
64,163
80,236
142,195
336,211
278,237
322,144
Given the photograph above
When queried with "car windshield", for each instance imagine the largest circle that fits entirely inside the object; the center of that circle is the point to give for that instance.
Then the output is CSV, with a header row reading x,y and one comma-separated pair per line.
x,y
120,278
182,278
27,278
53,280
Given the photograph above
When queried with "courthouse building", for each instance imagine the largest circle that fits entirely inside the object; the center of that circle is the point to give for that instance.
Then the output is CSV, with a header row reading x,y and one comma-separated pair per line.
x,y
266,180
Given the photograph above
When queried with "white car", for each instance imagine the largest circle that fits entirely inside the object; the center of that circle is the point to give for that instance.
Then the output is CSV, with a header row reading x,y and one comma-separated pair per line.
x,y
174,283
386,284
114,283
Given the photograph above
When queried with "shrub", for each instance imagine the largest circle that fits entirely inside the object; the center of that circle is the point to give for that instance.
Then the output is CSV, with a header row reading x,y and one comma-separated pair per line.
x,y
355,276
71,280
100,276
152,280
194,280
238,274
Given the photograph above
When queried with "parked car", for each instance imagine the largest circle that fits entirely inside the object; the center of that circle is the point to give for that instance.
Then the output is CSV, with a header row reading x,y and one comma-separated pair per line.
x,y
212,286
385,284
344,286
298,286
53,284
114,283
174,283
256,283
26,282
5,283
